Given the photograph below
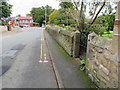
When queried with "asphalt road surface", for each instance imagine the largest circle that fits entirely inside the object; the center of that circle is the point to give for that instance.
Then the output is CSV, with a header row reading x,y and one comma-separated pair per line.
x,y
26,62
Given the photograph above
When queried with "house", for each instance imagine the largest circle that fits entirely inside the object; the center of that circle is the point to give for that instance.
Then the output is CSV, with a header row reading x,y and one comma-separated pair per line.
x,y
24,20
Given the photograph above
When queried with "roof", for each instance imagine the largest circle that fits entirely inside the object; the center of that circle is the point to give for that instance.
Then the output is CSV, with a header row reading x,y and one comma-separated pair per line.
x,y
25,17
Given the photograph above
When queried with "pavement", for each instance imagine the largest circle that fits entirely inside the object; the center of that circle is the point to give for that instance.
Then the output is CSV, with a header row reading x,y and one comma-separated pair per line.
x,y
67,69
31,59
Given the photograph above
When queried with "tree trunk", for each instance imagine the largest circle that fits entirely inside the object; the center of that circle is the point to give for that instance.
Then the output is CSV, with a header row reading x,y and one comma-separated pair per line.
x,y
8,27
97,13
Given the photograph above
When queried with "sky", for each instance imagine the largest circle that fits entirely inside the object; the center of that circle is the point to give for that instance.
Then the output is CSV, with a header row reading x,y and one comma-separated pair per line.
x,y
23,7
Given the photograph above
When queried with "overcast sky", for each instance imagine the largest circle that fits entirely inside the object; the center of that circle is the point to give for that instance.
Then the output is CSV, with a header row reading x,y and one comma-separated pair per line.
x,y
24,6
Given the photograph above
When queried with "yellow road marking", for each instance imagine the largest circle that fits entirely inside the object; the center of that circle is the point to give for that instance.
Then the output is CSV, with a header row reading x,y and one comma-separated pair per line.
x,y
42,39
40,61
41,53
43,61
41,50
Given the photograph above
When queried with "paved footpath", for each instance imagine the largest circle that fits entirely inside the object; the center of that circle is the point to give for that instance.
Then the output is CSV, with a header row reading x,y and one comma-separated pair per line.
x,y
67,70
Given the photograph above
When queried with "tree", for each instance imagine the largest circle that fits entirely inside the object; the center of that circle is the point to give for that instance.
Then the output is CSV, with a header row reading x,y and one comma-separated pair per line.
x,y
78,11
5,9
28,14
40,14
60,17
107,21
66,5
53,17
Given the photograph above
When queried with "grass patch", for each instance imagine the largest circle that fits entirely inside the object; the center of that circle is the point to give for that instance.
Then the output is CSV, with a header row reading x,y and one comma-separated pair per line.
x,y
108,34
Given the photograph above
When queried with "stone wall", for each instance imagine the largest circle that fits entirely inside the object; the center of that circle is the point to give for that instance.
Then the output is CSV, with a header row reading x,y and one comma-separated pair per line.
x,y
102,64
68,40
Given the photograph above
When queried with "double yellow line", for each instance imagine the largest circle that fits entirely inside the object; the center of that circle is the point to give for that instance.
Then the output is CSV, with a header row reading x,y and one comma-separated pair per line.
x,y
41,52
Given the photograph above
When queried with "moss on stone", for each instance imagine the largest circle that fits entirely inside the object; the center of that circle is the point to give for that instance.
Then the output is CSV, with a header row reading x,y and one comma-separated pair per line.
x,y
87,80
64,52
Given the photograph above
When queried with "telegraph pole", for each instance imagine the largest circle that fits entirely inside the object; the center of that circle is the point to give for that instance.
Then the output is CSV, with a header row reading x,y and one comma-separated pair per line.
x,y
45,15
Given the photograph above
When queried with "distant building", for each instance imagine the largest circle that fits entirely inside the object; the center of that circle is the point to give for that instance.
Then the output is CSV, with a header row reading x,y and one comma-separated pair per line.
x,y
24,20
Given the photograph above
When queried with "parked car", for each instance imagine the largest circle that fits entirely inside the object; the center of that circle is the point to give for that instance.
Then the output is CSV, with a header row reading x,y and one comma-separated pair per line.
x,y
26,26
21,26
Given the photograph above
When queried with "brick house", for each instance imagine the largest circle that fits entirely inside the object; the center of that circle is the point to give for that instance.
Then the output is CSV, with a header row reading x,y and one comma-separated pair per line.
x,y
25,20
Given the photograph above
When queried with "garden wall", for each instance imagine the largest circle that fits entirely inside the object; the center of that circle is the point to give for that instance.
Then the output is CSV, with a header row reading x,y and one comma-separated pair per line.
x,y
70,41
102,64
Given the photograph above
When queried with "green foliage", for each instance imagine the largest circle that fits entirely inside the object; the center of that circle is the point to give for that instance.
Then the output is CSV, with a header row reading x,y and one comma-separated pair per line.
x,y
70,28
105,24
54,16
61,25
108,34
83,64
97,28
100,30
87,80
107,21
38,14
60,17
5,9
28,14
66,5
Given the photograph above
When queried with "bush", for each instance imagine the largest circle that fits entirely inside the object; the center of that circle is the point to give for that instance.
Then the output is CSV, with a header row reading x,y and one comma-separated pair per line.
x,y
83,64
61,25
97,28
70,28
107,21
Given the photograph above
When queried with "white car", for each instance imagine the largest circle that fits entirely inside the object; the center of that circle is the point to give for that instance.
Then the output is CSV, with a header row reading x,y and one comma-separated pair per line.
x,y
26,26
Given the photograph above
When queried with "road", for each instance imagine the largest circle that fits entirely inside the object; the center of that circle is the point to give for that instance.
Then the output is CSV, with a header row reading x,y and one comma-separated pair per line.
x,y
27,62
